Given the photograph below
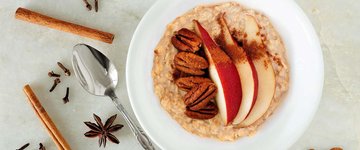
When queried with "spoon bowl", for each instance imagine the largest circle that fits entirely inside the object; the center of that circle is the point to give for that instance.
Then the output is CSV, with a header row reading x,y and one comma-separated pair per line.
x,y
94,70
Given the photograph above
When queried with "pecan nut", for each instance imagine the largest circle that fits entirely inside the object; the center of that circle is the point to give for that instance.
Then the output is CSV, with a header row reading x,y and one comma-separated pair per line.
x,y
186,40
190,63
187,83
208,112
178,74
199,96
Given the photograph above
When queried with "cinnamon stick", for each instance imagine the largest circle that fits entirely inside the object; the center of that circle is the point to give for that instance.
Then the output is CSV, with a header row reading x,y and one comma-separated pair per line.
x,y
37,18
46,120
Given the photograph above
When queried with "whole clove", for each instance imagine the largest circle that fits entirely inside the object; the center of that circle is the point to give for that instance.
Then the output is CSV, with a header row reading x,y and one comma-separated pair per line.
x,y
66,98
67,71
96,5
52,74
56,82
24,146
41,146
87,5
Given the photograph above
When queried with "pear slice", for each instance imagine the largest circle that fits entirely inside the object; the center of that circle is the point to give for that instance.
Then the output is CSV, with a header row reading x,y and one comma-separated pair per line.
x,y
224,74
245,68
266,76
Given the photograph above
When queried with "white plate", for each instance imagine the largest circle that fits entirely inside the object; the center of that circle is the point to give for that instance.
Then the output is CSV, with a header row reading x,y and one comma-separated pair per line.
x,y
287,123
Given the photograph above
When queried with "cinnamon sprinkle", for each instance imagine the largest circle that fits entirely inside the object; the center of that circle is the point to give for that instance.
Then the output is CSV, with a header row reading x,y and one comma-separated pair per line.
x,y
255,50
234,51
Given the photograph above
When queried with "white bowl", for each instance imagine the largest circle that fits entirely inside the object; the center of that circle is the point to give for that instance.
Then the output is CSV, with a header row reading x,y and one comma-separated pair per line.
x,y
287,123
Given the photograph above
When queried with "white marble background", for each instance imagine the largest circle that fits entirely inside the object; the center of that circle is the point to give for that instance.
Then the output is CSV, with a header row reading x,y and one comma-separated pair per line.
x,y
337,122
28,52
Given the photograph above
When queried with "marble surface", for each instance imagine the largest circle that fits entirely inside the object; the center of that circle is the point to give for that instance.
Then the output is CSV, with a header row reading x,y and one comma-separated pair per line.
x,y
28,52
337,122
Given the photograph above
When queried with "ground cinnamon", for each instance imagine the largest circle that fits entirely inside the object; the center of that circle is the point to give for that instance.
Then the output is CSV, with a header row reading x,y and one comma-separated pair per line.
x,y
34,17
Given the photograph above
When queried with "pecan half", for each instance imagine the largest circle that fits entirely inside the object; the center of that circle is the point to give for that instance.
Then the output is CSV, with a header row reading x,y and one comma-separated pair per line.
x,y
186,40
199,96
190,63
208,112
336,148
187,83
179,74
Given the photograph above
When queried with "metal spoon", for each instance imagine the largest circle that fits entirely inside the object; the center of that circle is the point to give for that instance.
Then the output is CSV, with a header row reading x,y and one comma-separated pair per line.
x,y
99,77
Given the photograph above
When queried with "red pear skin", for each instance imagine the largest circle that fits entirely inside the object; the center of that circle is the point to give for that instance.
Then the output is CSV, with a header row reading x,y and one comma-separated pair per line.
x,y
246,69
225,75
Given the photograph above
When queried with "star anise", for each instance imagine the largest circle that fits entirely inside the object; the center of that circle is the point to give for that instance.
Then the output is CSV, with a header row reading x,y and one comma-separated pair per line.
x,y
103,131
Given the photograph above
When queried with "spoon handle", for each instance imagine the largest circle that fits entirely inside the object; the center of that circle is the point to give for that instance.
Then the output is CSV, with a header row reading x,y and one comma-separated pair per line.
x,y
138,132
